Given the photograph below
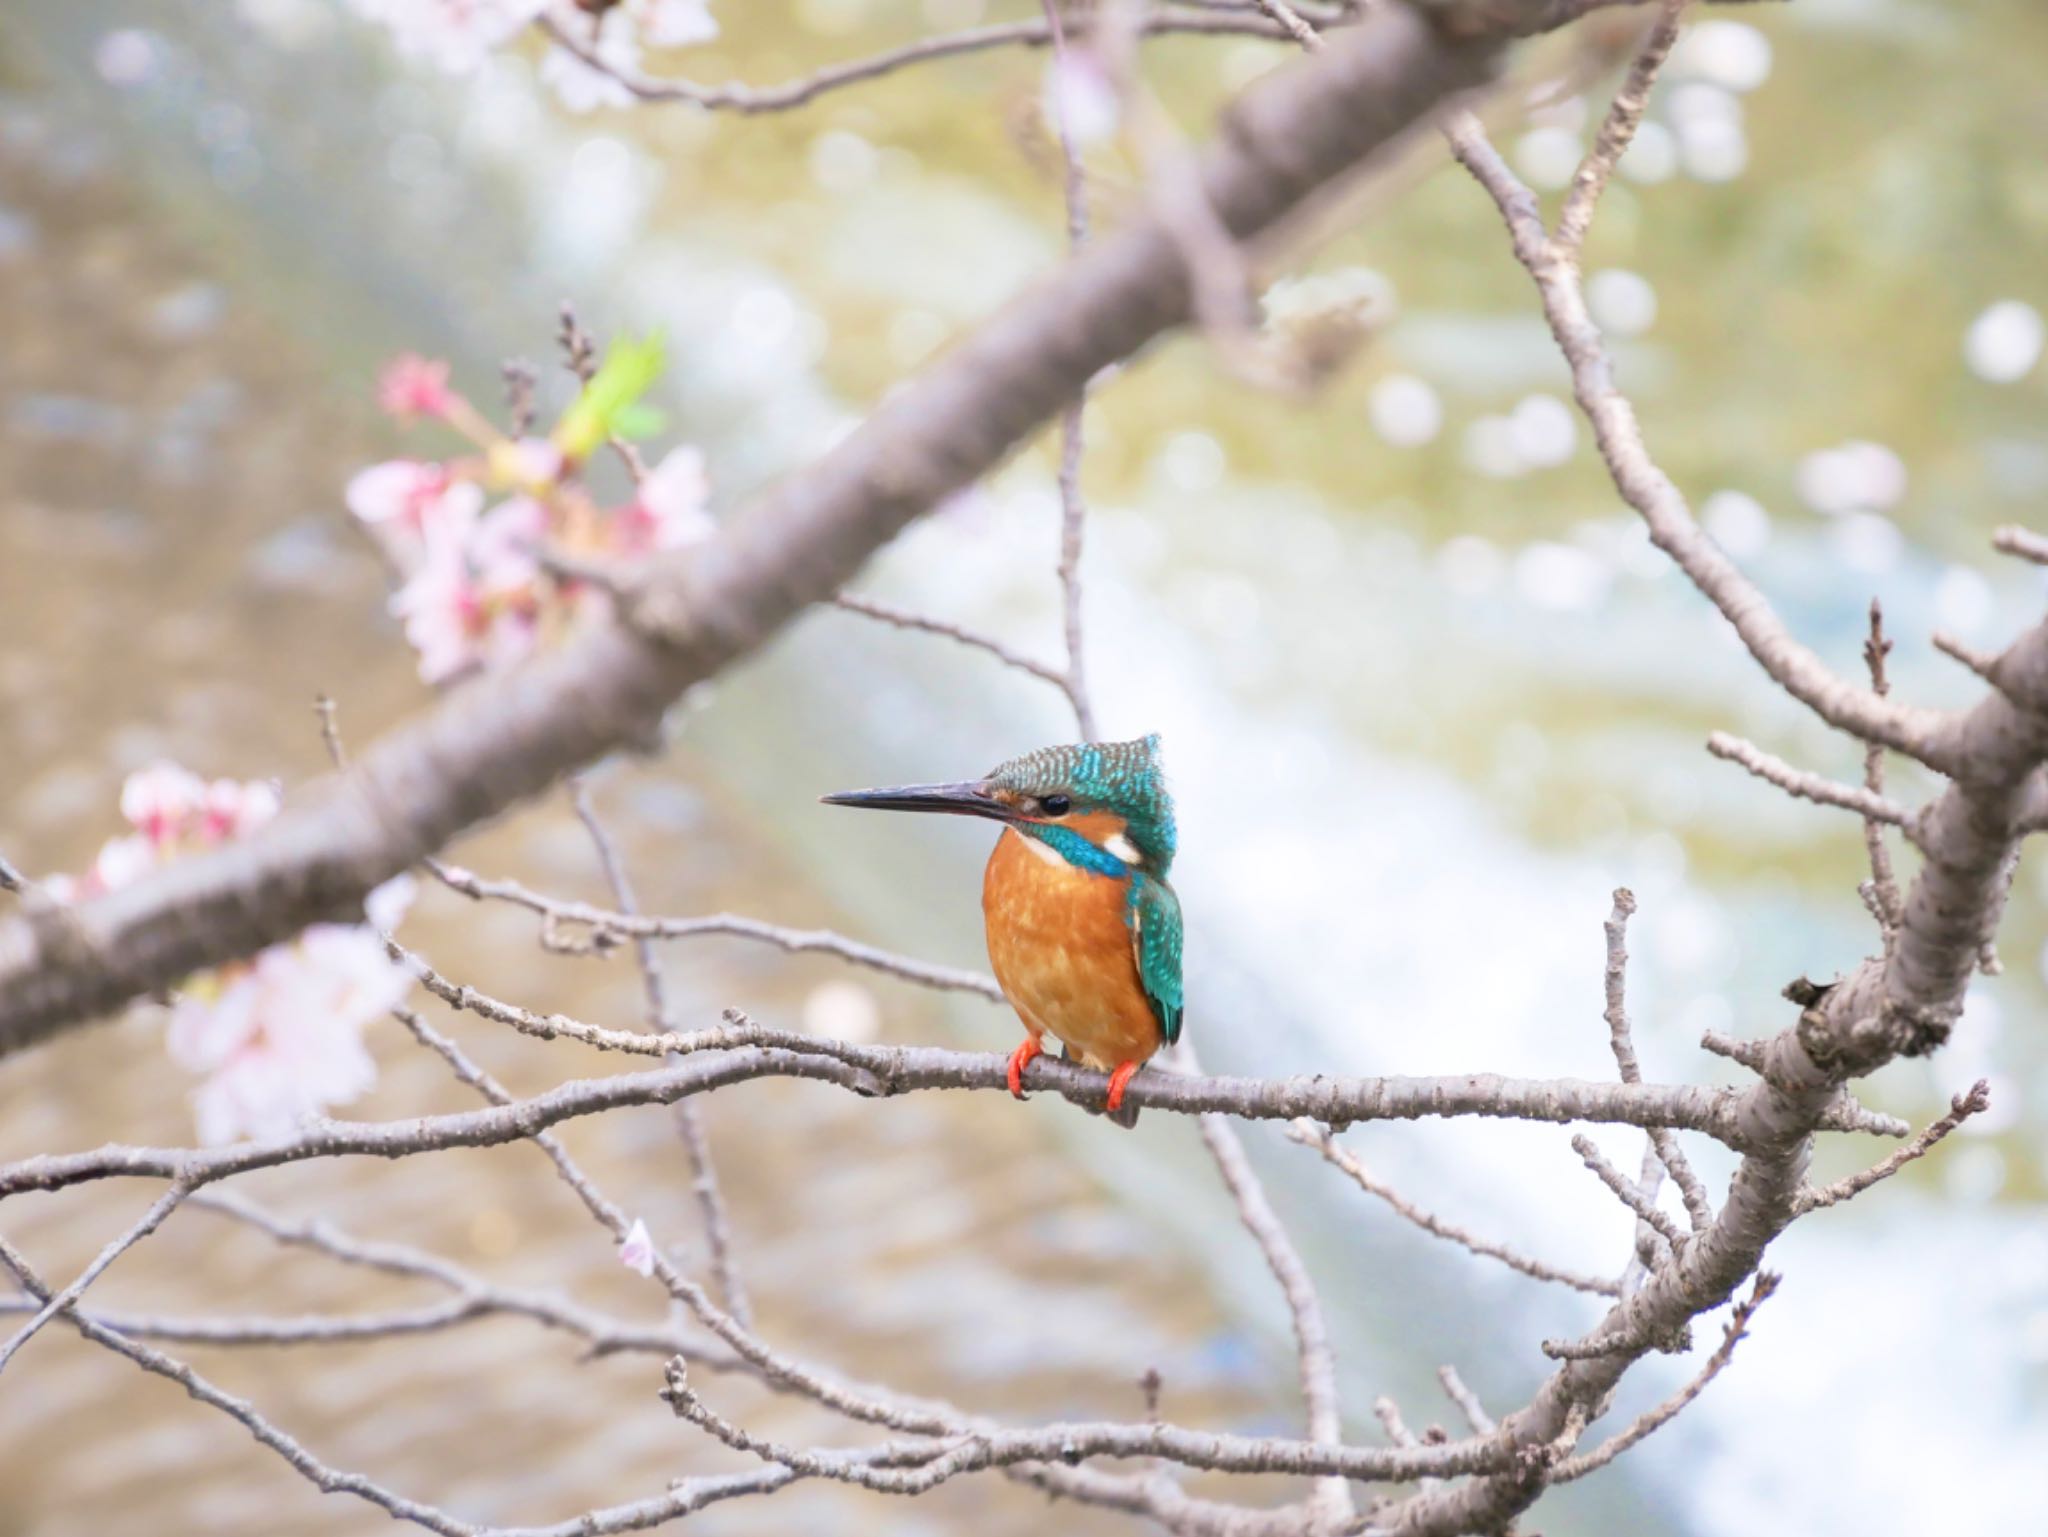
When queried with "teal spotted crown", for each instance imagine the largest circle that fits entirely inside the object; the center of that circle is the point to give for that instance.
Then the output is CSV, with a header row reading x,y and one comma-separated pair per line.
x,y
1120,777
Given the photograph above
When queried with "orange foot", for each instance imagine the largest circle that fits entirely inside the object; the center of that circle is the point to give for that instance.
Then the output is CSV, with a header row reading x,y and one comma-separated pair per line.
x,y
1019,1059
1118,1082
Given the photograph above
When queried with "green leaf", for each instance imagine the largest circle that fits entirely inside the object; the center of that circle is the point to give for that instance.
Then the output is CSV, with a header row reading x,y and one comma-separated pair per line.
x,y
609,405
639,420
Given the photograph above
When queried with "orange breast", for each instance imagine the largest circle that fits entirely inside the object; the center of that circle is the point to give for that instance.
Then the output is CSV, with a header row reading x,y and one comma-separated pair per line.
x,y
1061,948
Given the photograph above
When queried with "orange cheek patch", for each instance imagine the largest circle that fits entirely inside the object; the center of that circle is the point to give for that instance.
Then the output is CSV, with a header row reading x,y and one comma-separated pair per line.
x,y
1098,827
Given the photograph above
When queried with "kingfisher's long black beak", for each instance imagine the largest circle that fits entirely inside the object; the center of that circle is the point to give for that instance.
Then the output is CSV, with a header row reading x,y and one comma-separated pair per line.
x,y
971,798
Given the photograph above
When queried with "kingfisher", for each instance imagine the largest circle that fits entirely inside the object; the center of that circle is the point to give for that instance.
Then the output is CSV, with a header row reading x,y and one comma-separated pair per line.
x,y
1083,930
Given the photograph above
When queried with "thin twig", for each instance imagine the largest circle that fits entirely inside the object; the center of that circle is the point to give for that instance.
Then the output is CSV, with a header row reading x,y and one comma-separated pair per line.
x,y
915,1467
1314,1360
1983,663
1309,1134
1960,1109
682,1498
1738,1326
903,619
613,924
747,99
1884,882
141,1228
1626,1192
1698,1209
2023,542
1922,734
1291,19
1749,1054
1868,804
1073,510
1467,1401
689,1123
1617,132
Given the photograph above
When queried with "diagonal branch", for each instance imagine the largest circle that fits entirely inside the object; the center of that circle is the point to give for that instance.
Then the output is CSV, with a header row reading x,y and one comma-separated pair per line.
x,y
1664,1413
1864,801
1622,1039
141,1228
1318,1137
1960,1109
696,1145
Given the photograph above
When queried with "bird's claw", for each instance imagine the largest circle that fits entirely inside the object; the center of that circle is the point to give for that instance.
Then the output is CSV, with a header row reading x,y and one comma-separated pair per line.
x,y
1118,1082
1019,1060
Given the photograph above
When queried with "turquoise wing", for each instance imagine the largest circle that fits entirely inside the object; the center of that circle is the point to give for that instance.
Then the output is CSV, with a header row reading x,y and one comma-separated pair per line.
x,y
1155,936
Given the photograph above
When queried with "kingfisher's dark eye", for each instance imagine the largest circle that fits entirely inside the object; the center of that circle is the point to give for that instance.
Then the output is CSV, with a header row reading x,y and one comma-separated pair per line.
x,y
1055,805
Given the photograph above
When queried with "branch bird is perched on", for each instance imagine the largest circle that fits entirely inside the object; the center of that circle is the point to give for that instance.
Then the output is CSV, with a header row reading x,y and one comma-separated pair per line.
x,y
1083,930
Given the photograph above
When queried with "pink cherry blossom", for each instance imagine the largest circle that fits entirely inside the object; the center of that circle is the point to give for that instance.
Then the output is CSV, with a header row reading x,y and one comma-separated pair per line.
x,y
277,1038
160,800
1081,99
674,23
403,503
234,807
476,603
282,1039
454,35
412,386
582,87
667,512
637,1251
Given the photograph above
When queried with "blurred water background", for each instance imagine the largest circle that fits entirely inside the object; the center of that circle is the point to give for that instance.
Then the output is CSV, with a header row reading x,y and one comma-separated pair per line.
x,y
1427,695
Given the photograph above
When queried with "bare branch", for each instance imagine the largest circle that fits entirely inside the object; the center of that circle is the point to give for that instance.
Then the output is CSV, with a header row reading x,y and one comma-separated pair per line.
x,y
1617,131
1961,1108
751,1052
1664,1413
1871,806
2023,542
903,619
1073,510
697,1146
1884,883
1467,1401
1309,1134
141,1228
1920,734
1315,1362
748,99
1697,1207
1983,663
1626,1192
1292,21
914,1467
621,925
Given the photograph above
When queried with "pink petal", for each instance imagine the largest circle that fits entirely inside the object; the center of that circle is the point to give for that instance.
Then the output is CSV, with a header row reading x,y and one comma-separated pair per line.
x,y
158,800
412,386
637,1252
675,23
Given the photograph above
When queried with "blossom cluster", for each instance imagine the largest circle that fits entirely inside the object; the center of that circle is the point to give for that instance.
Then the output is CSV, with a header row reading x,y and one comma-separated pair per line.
x,y
278,1038
597,51
471,537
